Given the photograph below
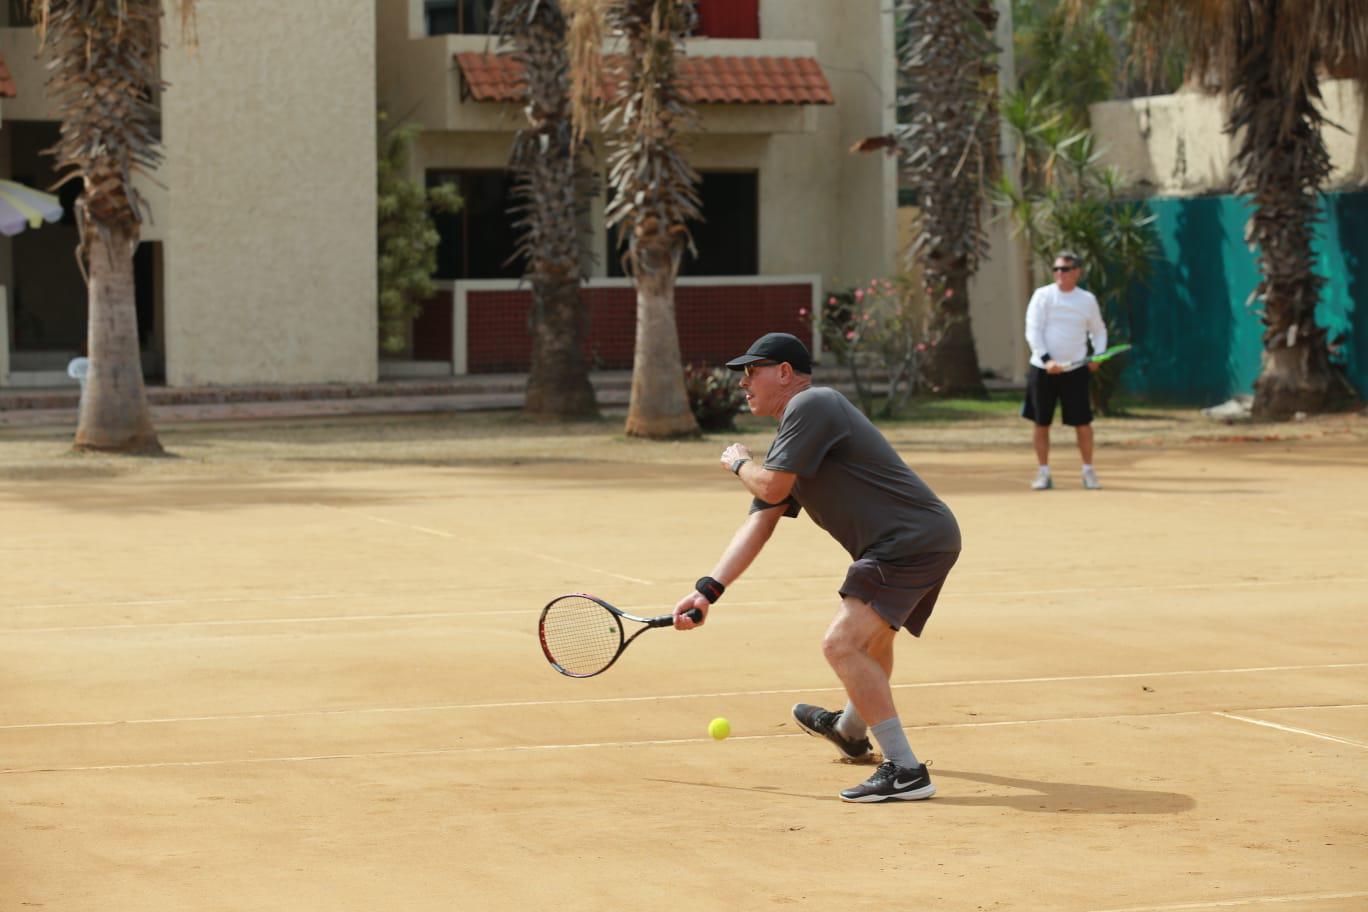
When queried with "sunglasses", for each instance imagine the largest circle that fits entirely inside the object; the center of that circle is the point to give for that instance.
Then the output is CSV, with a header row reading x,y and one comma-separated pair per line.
x,y
1062,268
749,368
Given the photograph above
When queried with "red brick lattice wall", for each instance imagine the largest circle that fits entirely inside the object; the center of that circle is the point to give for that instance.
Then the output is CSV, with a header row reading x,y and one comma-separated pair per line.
x,y
716,323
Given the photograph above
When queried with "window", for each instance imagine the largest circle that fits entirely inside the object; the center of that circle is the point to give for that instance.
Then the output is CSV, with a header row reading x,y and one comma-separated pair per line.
x,y
728,19
477,241
458,17
728,238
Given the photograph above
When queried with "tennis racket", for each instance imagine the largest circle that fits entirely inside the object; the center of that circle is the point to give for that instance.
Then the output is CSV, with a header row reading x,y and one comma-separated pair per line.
x,y
1100,356
583,636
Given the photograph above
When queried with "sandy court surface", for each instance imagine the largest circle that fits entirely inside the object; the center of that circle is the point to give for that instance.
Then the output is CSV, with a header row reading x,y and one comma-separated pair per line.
x,y
293,676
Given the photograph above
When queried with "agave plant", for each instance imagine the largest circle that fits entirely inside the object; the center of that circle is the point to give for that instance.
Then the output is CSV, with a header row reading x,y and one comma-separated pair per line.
x,y
949,155
1267,56
653,190
104,80
553,185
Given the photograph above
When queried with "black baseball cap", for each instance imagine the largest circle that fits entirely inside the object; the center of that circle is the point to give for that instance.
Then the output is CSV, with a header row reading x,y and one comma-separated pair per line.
x,y
776,347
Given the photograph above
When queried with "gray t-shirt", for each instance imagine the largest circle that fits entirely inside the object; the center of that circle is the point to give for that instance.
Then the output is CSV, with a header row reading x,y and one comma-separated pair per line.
x,y
854,484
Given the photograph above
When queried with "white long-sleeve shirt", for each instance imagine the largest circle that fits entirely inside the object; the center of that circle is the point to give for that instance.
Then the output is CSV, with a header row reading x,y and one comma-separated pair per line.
x,y
1060,323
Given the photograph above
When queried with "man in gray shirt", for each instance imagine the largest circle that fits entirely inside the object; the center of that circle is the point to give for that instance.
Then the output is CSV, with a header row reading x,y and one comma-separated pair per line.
x,y
828,459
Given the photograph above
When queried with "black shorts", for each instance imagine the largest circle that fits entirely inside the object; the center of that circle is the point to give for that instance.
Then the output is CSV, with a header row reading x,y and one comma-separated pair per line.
x,y
1069,389
903,594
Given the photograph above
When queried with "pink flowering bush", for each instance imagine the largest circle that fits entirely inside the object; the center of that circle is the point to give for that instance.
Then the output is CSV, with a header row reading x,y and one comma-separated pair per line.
x,y
874,330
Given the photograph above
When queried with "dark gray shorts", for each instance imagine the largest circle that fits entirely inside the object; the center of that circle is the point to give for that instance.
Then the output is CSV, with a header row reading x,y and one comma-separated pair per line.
x,y
904,593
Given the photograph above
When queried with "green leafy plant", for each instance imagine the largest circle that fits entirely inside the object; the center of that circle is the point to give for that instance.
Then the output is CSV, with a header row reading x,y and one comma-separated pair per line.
x,y
874,330
714,396
1066,200
406,234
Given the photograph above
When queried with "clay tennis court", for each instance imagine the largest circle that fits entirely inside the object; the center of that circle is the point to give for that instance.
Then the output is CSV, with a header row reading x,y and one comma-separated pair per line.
x,y
300,672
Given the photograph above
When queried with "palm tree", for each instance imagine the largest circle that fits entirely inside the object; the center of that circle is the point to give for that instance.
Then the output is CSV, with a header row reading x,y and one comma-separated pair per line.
x,y
554,183
1267,56
654,193
104,62
949,152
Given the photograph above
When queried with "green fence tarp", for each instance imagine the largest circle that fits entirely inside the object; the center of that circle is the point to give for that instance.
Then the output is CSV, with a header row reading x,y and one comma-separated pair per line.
x,y
1196,338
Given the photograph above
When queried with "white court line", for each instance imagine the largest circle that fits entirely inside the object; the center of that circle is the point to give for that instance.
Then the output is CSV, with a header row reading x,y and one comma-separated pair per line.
x,y
1294,730
753,580
532,704
529,553
253,622
588,745
1237,903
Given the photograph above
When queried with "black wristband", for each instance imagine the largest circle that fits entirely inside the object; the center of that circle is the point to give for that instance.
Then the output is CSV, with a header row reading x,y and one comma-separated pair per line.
x,y
736,466
710,589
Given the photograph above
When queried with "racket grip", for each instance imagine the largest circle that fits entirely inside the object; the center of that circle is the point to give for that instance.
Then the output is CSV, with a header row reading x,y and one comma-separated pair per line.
x,y
667,620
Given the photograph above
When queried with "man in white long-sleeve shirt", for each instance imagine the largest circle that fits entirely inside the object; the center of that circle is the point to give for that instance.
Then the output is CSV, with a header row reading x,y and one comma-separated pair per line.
x,y
1060,320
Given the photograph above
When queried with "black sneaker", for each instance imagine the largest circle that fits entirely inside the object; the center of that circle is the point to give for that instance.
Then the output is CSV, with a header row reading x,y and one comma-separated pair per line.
x,y
891,782
820,722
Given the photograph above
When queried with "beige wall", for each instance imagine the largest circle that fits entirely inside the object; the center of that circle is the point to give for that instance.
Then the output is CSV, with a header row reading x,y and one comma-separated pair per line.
x,y
19,48
269,131
837,211
1174,145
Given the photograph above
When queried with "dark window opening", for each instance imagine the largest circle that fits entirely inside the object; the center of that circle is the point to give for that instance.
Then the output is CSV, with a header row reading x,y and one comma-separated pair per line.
x,y
458,17
478,241
728,237
19,14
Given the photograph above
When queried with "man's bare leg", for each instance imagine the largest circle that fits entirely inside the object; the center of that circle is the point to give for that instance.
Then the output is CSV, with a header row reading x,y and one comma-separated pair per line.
x,y
859,647
1041,438
1084,433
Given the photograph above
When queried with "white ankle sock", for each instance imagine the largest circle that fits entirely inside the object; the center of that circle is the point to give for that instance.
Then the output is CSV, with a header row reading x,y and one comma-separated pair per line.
x,y
850,725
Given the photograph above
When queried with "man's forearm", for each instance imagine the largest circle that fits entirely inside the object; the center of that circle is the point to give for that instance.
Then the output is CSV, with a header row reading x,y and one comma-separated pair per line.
x,y
768,485
745,545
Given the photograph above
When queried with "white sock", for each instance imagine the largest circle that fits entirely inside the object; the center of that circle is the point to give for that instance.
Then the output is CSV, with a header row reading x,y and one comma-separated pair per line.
x,y
850,725
1045,470
1087,466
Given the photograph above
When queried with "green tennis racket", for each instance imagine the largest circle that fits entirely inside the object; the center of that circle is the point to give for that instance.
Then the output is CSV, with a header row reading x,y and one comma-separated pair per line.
x,y
1100,356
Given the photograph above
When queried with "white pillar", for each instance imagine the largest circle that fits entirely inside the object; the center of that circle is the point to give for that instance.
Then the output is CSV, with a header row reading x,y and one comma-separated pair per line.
x,y
1017,256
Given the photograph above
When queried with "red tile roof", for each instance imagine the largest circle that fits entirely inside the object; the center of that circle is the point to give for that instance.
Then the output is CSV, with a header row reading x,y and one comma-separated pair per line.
x,y
706,80
7,89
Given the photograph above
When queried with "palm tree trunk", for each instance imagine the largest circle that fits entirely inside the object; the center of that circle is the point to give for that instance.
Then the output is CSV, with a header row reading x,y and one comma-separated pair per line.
x,y
114,416
1282,161
554,185
951,364
659,407
558,383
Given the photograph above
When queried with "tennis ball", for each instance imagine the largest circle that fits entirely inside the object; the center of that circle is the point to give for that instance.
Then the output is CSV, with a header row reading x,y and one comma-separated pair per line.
x,y
719,728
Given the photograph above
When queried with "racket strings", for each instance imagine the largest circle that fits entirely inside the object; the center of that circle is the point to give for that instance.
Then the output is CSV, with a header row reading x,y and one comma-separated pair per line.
x,y
581,635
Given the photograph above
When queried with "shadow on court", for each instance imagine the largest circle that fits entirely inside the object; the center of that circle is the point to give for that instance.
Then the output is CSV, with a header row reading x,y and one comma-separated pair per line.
x,y
759,789
1037,796
1062,797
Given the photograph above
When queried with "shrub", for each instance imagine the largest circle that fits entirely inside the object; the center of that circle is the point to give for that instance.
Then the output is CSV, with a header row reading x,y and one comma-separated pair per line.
x,y
873,331
714,397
